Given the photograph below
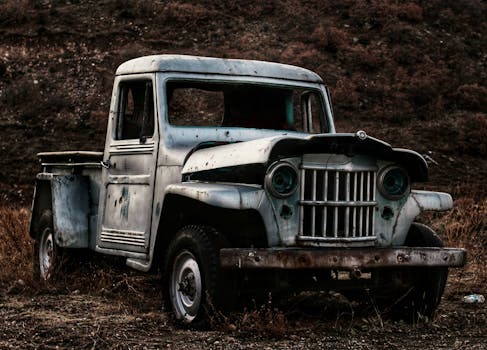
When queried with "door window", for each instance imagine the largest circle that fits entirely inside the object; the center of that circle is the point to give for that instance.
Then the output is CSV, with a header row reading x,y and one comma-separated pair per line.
x,y
135,111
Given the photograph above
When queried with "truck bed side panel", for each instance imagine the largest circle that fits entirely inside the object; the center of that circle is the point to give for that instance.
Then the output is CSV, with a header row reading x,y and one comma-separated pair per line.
x,y
70,207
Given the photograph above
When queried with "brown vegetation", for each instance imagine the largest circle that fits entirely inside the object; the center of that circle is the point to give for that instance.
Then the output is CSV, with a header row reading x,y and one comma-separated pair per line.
x,y
101,304
390,65
15,247
465,226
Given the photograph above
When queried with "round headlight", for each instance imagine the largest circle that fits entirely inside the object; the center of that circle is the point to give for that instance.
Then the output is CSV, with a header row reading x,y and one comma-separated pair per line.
x,y
393,182
282,180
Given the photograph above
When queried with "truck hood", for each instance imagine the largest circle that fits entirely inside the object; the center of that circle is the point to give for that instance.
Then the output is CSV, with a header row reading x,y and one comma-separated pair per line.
x,y
267,150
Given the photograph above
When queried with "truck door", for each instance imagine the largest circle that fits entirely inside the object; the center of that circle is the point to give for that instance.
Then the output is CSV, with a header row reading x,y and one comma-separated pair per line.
x,y
129,168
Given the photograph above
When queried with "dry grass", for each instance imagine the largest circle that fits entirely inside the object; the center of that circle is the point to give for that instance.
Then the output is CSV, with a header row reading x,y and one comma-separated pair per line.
x,y
266,320
15,246
466,226
85,273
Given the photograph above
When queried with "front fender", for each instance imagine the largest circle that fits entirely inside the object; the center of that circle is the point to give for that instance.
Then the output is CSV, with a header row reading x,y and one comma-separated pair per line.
x,y
231,196
220,195
417,202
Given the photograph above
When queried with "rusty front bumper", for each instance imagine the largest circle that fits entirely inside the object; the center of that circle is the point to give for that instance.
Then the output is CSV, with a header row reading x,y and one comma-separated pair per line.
x,y
361,258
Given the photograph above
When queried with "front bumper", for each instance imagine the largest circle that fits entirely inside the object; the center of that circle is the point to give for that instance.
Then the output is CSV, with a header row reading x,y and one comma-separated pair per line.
x,y
341,258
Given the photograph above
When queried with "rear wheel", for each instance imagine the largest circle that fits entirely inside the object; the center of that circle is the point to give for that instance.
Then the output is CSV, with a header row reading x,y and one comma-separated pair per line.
x,y
46,253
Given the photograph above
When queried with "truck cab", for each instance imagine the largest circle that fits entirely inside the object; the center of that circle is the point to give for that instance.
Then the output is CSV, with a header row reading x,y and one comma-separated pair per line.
x,y
214,169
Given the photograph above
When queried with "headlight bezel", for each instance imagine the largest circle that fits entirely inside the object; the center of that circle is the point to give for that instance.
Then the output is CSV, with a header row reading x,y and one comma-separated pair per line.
x,y
384,178
274,170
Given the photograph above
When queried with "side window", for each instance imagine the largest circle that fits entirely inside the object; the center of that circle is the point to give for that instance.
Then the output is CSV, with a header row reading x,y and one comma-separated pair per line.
x,y
313,117
135,119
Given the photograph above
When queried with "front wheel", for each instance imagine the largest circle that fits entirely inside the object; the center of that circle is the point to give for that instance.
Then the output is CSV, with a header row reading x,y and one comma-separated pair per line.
x,y
426,284
193,279
429,282
186,286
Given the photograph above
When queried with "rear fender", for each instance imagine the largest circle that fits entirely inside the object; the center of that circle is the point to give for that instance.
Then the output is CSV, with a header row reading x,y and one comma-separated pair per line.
x,y
67,196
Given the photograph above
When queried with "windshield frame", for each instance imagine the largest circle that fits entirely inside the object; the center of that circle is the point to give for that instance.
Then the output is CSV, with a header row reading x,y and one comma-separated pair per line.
x,y
192,134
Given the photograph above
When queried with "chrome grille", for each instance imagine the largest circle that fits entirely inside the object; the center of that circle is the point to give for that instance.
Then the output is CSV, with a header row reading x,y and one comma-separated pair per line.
x,y
337,205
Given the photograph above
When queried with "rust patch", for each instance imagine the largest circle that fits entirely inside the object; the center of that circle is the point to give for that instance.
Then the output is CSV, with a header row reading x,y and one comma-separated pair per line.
x,y
350,259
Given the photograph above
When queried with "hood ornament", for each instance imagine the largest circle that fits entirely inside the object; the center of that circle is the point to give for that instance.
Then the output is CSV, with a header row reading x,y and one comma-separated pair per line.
x,y
361,135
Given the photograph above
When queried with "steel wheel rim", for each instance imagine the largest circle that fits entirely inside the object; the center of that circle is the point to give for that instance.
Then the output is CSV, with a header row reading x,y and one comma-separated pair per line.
x,y
46,253
186,286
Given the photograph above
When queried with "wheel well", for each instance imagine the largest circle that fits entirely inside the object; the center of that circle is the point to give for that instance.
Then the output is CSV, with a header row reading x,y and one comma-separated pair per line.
x,y
42,202
241,228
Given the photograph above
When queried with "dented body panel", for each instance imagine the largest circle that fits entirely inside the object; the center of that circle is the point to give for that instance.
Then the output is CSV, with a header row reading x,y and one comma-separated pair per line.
x,y
216,66
271,148
70,204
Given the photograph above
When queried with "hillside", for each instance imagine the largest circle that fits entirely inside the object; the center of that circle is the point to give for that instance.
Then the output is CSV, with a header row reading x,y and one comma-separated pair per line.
x,y
410,72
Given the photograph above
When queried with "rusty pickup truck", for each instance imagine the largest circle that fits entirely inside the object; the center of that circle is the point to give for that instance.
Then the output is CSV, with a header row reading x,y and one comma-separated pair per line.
x,y
228,176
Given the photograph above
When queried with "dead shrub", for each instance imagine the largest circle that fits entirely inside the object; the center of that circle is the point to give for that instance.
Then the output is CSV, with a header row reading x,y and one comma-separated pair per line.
x,y
410,12
337,39
15,246
265,320
319,36
462,134
378,13
134,9
400,33
345,94
471,96
472,134
182,12
86,272
406,56
465,226
299,54
331,39
21,91
425,85
15,11
368,59
372,14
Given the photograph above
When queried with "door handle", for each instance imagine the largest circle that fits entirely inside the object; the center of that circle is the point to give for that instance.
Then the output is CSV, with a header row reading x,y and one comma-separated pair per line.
x,y
106,164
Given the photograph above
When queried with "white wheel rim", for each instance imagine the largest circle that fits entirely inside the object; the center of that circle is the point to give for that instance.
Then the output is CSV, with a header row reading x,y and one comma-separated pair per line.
x,y
46,253
186,286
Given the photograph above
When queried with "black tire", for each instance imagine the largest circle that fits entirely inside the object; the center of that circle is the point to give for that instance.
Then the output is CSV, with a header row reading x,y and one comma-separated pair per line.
x,y
194,283
47,255
430,282
427,284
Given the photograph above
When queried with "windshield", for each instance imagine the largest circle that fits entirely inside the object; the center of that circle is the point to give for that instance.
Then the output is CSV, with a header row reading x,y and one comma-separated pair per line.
x,y
245,105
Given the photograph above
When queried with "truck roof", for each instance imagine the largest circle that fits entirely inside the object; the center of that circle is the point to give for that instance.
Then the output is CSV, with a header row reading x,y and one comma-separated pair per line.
x,y
212,65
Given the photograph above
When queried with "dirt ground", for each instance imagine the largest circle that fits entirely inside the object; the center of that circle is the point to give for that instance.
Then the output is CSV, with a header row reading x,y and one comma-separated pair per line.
x,y
66,319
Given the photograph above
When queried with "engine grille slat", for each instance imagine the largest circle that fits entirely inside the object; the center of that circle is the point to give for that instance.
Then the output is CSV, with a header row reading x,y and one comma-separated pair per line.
x,y
337,205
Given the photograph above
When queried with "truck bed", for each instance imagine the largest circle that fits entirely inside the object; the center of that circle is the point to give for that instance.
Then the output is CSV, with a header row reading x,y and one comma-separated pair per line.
x,y
80,194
